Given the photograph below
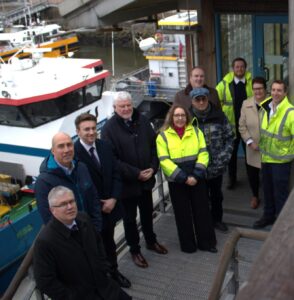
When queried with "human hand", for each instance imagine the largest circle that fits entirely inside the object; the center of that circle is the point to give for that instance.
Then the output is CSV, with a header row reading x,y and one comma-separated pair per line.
x,y
254,146
191,181
108,205
145,174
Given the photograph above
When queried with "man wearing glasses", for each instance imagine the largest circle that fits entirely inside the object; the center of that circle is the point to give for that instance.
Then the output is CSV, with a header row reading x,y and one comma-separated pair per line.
x,y
59,168
69,258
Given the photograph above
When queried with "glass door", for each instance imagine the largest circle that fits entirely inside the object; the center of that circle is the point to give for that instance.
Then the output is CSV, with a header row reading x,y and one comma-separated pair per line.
x,y
270,47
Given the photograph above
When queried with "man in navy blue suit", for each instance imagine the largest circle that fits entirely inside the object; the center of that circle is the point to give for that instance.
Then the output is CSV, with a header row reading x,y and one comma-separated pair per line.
x,y
103,169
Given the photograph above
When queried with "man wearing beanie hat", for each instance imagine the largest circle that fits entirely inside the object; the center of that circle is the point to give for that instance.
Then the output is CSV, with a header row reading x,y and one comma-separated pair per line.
x,y
219,139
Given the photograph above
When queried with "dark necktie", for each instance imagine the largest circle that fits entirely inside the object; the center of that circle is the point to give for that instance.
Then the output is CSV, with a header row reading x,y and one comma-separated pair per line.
x,y
95,160
76,234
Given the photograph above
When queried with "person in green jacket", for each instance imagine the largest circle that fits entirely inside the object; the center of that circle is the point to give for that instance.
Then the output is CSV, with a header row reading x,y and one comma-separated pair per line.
x,y
277,151
232,90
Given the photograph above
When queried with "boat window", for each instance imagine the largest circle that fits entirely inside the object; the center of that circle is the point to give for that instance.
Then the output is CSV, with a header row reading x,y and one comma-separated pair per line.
x,y
12,116
93,92
70,102
41,112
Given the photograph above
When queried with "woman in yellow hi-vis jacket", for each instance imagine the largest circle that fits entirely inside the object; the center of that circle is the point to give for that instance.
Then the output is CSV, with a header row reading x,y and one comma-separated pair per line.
x,y
183,158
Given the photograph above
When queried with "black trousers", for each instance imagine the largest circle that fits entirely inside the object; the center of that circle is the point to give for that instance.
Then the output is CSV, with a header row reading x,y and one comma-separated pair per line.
x,y
232,167
193,220
107,234
216,197
253,178
130,205
275,179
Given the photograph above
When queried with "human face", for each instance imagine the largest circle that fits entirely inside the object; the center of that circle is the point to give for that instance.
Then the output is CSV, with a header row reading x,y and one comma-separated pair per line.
x,y
197,78
239,69
63,149
124,108
64,208
259,92
278,93
87,132
179,118
200,103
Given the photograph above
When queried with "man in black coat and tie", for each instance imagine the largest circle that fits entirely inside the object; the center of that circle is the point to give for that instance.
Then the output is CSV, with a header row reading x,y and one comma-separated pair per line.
x,y
69,258
103,169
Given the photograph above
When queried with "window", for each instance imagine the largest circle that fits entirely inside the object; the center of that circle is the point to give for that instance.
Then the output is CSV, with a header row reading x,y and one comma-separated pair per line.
x,y
93,92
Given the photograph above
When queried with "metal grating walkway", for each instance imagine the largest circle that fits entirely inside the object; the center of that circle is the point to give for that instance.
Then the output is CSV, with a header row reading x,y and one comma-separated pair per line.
x,y
178,275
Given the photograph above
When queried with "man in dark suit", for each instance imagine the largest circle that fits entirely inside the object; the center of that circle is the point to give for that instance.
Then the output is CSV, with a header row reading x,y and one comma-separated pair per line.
x,y
69,258
133,141
102,166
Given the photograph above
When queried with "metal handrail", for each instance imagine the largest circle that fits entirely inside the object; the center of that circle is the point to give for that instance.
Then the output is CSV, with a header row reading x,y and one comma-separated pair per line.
x,y
227,254
28,259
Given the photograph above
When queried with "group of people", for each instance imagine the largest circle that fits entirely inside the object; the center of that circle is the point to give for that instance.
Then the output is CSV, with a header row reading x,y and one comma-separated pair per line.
x,y
85,187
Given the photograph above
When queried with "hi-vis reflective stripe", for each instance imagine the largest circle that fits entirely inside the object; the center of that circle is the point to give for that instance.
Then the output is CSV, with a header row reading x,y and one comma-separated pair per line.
x,y
284,120
164,137
184,159
202,150
225,94
279,157
175,173
200,166
161,158
276,136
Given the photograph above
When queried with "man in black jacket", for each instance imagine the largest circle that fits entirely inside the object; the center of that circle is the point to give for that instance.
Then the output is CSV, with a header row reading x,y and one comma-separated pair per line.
x,y
98,156
133,141
69,258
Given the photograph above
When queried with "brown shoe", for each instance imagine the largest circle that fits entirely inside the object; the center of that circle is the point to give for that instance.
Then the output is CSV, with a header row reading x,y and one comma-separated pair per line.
x,y
139,260
157,248
254,202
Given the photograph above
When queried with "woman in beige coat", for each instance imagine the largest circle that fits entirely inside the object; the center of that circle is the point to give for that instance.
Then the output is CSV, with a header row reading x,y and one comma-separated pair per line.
x,y
249,130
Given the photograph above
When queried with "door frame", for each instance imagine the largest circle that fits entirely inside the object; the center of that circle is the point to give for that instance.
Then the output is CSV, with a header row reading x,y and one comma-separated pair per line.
x,y
258,38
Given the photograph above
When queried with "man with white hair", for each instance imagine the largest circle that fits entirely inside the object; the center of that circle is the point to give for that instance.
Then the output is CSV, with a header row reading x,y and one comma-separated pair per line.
x,y
133,140
69,258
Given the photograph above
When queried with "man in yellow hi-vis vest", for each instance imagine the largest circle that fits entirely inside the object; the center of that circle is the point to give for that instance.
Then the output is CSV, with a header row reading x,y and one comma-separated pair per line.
x,y
232,90
277,151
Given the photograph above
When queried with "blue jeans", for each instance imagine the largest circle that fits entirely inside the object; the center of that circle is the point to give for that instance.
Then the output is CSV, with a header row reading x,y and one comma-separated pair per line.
x,y
275,178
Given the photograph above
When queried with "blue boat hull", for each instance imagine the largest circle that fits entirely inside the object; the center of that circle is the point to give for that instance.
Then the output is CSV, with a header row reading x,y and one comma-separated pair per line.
x,y
15,240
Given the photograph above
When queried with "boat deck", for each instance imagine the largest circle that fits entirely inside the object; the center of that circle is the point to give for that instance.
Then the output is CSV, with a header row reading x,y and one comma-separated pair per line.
x,y
178,275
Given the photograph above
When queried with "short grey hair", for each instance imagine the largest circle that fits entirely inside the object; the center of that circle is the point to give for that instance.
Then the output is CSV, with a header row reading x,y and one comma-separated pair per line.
x,y
120,96
57,192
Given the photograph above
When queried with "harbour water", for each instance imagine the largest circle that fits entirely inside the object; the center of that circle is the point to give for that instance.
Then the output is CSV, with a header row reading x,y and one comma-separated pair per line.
x,y
126,60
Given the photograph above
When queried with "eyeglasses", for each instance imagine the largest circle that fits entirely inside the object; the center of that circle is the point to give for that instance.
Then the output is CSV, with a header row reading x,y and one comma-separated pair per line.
x,y
200,99
178,116
65,204
258,88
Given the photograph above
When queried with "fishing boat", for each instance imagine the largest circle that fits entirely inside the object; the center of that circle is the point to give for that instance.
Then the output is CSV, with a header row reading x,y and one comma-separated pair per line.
x,y
42,35
39,96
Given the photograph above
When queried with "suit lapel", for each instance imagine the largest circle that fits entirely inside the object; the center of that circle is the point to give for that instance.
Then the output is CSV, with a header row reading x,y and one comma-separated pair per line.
x,y
82,152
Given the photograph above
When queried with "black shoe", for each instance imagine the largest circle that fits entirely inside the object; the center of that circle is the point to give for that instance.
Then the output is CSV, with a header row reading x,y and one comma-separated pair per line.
x,y
210,249
232,183
221,227
263,222
121,279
